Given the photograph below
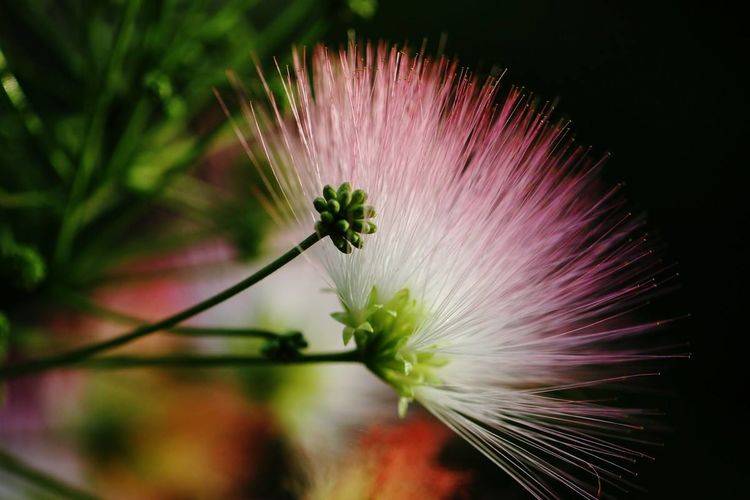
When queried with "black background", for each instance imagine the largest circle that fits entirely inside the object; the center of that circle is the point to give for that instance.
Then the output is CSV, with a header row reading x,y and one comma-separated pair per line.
x,y
661,87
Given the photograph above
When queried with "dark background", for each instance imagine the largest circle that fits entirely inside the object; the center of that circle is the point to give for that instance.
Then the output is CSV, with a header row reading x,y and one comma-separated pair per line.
x,y
661,87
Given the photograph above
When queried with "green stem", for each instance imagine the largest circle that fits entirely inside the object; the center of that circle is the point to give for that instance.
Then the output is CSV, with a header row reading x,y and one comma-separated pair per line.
x,y
79,355
87,306
41,479
212,361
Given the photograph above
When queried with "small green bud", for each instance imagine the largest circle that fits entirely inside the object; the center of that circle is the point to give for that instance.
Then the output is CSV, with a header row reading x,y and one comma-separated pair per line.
x,y
371,228
329,192
345,198
355,239
326,218
320,204
334,206
344,189
342,226
358,197
358,212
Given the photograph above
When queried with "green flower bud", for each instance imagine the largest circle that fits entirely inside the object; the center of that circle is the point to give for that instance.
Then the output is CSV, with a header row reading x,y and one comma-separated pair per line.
x,y
320,204
359,197
334,206
329,192
327,218
342,226
358,212
343,216
355,239
345,198
344,189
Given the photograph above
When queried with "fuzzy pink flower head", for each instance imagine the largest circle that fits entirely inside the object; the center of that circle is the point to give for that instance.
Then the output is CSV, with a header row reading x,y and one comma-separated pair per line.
x,y
496,289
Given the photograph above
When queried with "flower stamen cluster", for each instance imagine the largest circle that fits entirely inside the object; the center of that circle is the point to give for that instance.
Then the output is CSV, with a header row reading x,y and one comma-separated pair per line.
x,y
523,267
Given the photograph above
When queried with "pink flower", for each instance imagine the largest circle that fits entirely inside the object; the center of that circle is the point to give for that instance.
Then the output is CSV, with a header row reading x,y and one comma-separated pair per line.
x,y
496,289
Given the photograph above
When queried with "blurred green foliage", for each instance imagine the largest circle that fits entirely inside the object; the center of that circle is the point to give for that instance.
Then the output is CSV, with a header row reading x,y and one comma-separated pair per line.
x,y
4,332
106,108
109,422
364,8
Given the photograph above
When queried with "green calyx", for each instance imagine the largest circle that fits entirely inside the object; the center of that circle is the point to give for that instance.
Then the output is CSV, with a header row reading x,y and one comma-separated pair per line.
x,y
381,332
344,216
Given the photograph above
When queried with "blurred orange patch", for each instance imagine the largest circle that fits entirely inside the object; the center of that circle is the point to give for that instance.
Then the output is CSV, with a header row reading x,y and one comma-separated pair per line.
x,y
396,462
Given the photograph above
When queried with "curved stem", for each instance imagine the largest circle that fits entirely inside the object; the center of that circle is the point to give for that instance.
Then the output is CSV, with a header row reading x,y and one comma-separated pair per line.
x,y
79,355
41,479
87,306
212,361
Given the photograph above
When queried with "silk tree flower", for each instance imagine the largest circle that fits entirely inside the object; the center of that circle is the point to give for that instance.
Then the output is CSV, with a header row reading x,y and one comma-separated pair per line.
x,y
497,287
